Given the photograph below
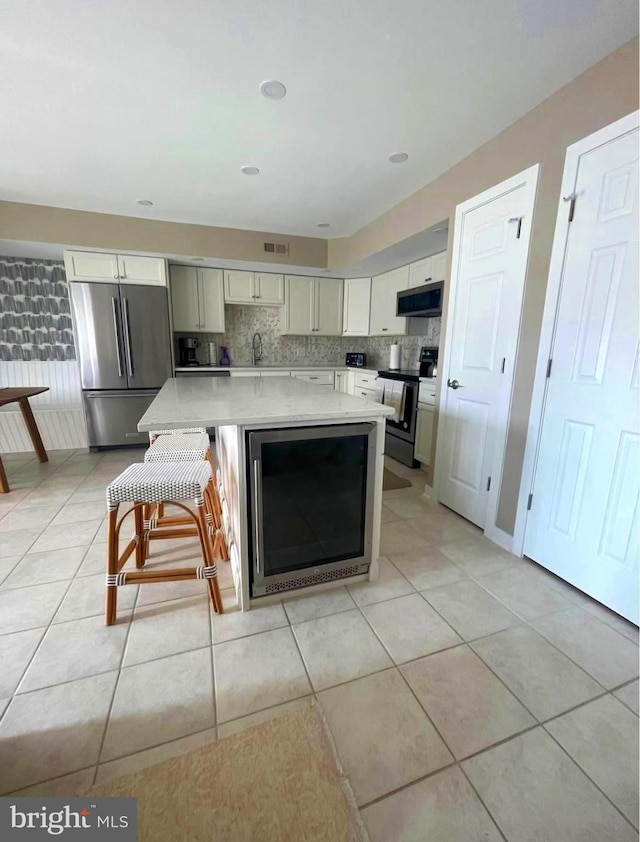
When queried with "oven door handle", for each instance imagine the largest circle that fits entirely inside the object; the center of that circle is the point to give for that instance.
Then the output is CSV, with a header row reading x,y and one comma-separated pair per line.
x,y
257,513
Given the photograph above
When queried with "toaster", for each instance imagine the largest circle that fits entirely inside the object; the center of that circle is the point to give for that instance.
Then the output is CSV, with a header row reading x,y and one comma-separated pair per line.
x,y
356,360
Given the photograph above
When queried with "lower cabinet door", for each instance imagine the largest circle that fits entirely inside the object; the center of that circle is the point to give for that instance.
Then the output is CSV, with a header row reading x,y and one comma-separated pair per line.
x,y
424,435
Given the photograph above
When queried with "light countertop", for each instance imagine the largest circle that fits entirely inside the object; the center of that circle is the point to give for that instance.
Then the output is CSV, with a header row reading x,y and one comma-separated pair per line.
x,y
218,401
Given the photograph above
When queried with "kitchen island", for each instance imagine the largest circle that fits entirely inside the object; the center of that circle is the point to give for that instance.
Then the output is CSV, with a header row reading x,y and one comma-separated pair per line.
x,y
300,474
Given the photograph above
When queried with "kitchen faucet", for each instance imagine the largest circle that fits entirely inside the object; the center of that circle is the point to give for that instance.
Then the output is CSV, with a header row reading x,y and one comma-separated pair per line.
x,y
256,349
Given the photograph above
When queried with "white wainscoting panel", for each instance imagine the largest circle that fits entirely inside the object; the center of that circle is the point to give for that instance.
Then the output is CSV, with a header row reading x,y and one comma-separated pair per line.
x,y
58,412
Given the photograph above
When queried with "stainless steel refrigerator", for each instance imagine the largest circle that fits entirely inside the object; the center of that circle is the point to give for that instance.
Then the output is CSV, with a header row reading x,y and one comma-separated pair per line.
x,y
123,342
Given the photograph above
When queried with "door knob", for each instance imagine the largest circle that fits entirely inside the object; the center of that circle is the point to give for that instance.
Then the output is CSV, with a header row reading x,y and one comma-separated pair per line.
x,y
453,384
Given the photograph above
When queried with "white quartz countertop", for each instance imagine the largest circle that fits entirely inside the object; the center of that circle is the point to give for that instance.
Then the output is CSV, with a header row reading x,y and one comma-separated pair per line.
x,y
219,401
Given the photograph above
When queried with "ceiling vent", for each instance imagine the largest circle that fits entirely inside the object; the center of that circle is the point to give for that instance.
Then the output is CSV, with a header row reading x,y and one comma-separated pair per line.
x,y
276,248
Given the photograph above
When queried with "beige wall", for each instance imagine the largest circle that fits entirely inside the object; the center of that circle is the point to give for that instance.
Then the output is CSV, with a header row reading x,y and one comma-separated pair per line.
x,y
38,223
604,93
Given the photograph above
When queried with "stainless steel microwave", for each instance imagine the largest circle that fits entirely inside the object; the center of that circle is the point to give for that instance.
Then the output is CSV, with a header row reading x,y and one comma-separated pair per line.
x,y
425,301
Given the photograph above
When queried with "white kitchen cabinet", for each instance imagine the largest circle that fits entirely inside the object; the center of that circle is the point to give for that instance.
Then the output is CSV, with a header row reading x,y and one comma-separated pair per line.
x,y
297,315
265,289
106,268
211,292
439,266
428,269
275,373
238,287
370,394
384,291
320,378
328,306
185,306
424,435
135,269
253,373
356,306
197,300
341,382
268,289
313,306
90,266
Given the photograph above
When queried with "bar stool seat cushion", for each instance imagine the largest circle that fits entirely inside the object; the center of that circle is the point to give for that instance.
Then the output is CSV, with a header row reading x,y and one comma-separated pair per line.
x,y
160,482
155,433
179,448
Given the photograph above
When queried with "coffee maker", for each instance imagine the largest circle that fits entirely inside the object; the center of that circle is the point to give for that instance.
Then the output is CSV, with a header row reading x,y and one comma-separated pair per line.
x,y
187,351
428,362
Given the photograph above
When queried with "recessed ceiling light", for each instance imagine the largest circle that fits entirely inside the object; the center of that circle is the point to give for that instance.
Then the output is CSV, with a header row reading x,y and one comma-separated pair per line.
x,y
272,89
398,158
249,170
324,225
146,202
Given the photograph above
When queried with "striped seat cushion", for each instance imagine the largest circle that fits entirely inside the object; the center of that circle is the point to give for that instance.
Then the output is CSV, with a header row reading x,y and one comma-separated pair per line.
x,y
179,448
160,482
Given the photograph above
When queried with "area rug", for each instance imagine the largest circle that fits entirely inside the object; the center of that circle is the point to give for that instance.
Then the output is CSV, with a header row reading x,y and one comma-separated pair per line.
x,y
391,481
279,781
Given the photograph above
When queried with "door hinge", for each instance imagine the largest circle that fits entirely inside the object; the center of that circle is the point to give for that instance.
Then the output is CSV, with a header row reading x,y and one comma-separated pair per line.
x,y
549,364
488,483
529,502
572,205
504,360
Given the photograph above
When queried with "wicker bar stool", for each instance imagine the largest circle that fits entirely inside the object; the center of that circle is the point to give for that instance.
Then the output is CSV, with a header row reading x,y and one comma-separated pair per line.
x,y
188,447
143,484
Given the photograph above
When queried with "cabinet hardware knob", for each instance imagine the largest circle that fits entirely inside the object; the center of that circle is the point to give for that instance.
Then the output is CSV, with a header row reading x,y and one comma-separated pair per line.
x,y
385,328
116,277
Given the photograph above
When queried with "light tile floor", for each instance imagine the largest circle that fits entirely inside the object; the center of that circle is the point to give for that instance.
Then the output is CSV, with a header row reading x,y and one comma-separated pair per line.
x,y
471,694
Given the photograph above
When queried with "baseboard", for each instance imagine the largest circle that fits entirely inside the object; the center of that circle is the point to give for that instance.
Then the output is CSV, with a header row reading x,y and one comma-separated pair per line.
x,y
500,537
428,492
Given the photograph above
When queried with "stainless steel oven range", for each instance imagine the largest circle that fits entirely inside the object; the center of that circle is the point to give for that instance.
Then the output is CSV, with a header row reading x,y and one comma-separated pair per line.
x,y
310,504
400,437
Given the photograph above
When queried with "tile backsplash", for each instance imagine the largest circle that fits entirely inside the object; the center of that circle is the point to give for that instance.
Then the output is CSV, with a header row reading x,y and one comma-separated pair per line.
x,y
35,316
243,321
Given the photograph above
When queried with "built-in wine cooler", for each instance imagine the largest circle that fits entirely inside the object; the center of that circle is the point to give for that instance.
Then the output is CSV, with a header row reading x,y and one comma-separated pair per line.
x,y
310,504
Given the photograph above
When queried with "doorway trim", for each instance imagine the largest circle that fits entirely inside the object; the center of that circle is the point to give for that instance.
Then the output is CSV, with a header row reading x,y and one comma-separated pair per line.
x,y
552,299
529,179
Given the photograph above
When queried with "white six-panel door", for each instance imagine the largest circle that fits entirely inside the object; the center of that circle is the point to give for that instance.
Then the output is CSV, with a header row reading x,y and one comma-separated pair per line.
x,y
583,522
491,240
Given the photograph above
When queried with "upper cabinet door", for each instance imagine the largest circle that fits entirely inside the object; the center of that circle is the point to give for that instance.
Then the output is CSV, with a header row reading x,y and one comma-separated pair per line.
x,y
384,293
91,266
211,293
421,272
185,299
134,269
328,306
357,303
239,287
269,289
298,314
439,266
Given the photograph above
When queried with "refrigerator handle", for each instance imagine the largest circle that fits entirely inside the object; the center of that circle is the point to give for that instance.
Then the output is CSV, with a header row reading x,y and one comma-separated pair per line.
x,y
114,304
127,335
